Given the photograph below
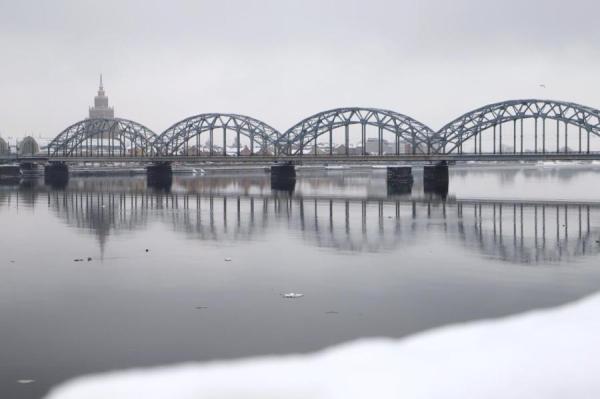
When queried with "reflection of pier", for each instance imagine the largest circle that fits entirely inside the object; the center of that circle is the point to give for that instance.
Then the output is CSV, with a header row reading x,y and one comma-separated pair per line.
x,y
530,232
515,231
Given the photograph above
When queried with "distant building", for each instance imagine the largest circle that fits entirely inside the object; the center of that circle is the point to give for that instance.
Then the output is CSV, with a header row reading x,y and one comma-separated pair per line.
x,y
508,149
340,150
4,149
101,108
372,146
245,151
107,142
29,146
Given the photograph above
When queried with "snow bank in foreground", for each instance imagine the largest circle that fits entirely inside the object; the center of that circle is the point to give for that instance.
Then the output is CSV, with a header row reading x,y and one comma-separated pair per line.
x,y
546,354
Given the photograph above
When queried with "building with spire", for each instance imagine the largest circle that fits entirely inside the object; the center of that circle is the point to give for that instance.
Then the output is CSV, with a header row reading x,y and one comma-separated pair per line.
x,y
101,108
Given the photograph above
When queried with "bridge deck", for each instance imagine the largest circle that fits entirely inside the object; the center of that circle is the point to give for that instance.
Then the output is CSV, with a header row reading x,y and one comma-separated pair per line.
x,y
317,159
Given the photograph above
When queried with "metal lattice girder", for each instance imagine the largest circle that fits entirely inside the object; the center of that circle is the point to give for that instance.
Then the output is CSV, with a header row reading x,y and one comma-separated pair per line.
x,y
306,132
177,139
104,137
451,136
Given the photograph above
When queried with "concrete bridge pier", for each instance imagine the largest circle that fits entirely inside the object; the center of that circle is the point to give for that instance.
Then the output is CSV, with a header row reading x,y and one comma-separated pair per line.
x,y
399,174
283,177
287,186
29,169
436,173
396,188
283,173
56,174
435,179
10,172
399,180
159,175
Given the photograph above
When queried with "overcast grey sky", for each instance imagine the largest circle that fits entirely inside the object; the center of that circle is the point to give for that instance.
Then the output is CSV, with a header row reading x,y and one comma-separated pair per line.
x,y
282,60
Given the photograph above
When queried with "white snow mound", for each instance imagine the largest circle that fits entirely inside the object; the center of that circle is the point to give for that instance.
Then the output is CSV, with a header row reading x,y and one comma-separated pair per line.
x,y
544,354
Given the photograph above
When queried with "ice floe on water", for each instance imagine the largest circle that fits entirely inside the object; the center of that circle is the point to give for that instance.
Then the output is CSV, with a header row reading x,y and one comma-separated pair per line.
x,y
544,354
292,295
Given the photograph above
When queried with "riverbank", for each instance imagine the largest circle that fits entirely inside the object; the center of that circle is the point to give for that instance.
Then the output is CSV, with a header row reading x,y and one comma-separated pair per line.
x,y
520,357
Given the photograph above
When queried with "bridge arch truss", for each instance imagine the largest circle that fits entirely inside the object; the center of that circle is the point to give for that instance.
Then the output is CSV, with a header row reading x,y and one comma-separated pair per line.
x,y
520,126
104,138
303,137
184,137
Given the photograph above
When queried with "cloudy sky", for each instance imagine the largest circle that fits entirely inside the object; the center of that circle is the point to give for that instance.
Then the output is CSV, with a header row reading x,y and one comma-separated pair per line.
x,y
282,60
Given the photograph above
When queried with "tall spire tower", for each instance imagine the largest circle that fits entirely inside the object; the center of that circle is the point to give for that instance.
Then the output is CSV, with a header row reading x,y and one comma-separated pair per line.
x,y
101,108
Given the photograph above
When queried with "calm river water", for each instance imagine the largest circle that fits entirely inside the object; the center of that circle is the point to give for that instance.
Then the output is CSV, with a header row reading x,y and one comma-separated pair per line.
x,y
196,271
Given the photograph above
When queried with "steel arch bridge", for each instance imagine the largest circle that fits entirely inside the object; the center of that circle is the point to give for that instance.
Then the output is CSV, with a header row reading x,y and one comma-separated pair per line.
x,y
489,120
104,138
515,130
305,134
176,140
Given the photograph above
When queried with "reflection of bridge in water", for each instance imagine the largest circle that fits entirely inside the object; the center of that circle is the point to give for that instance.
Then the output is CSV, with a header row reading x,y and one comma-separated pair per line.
x,y
514,231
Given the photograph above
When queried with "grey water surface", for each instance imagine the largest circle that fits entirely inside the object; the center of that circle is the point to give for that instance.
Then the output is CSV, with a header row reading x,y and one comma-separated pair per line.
x,y
107,273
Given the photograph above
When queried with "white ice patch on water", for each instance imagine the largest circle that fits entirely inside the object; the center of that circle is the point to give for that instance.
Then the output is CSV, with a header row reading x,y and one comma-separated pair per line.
x,y
544,354
292,295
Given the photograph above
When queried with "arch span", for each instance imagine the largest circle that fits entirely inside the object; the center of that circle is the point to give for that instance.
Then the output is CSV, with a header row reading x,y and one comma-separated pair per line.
x,y
184,137
304,135
471,126
104,137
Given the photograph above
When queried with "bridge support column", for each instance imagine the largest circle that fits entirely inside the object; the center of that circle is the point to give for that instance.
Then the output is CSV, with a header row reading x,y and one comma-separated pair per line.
x,y
56,174
159,175
10,173
283,176
399,180
400,174
29,169
435,179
